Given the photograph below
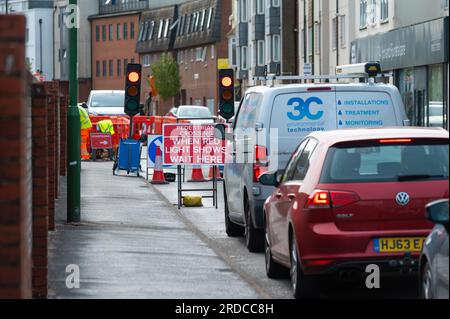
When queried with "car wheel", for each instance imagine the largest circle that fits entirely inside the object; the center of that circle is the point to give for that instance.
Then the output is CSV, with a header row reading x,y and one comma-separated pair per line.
x,y
303,286
426,285
254,238
232,229
273,269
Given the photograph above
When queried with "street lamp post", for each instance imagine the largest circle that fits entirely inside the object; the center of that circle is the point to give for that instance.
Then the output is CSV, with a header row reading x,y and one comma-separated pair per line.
x,y
73,126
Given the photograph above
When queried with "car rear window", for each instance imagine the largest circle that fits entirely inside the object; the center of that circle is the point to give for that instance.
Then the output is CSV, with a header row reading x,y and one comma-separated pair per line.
x,y
115,99
385,161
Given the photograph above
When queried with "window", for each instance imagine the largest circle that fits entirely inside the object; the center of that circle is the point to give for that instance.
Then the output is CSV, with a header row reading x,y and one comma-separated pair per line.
x,y
372,162
181,25
110,32
302,163
104,68
119,67
317,39
198,54
244,10
210,16
384,16
232,51
187,24
132,30
166,28
289,172
133,60
202,21
161,26
260,53
97,68
275,3
213,52
259,6
111,68
97,33
141,32
125,63
334,37
276,48
192,26
373,12
125,31
310,41
119,31
244,58
151,30
197,21
103,33
362,14
248,112
342,37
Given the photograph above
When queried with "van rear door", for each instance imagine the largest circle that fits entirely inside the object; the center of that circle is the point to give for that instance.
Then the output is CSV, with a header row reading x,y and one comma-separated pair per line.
x,y
364,107
297,114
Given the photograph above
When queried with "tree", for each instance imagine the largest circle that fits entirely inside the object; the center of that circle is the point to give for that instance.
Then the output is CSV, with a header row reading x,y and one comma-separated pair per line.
x,y
167,77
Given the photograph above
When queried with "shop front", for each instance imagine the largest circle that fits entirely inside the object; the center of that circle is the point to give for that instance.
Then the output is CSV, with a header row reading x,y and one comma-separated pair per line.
x,y
418,57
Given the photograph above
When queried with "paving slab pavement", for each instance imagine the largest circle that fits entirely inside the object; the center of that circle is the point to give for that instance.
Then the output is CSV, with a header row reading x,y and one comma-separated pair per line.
x,y
132,244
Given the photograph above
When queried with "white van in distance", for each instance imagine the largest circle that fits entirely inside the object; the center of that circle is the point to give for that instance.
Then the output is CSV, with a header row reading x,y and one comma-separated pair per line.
x,y
289,113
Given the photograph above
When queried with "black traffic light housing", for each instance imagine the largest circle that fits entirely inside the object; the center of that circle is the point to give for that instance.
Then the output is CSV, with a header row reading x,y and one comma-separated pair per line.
x,y
133,78
226,93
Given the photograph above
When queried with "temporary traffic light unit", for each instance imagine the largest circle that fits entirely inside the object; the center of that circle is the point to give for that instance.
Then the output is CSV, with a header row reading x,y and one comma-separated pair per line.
x,y
226,93
133,89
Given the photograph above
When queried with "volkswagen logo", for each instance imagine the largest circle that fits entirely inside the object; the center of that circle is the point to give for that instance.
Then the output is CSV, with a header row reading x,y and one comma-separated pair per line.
x,y
402,199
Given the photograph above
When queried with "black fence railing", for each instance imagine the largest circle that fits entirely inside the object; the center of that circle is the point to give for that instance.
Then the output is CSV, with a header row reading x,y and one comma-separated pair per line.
x,y
116,6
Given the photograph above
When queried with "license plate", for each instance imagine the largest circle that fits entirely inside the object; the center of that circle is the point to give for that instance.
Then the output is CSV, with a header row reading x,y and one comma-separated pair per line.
x,y
398,245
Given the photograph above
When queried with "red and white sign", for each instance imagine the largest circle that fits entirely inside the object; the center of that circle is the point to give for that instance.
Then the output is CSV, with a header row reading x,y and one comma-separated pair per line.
x,y
101,140
192,144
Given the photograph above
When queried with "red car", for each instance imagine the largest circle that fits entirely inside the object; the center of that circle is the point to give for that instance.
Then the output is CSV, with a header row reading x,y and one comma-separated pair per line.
x,y
351,198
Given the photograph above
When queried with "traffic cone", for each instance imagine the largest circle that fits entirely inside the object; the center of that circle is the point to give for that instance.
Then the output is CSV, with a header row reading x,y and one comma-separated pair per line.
x,y
211,173
158,172
197,174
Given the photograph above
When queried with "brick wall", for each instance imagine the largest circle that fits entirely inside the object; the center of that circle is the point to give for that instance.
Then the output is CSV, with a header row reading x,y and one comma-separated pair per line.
x,y
40,190
15,162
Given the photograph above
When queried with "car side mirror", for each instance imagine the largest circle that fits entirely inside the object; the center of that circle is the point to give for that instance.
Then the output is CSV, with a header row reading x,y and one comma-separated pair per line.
x,y
271,179
84,105
437,212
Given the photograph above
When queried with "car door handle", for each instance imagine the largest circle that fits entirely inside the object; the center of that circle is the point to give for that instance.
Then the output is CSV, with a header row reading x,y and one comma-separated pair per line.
x,y
291,196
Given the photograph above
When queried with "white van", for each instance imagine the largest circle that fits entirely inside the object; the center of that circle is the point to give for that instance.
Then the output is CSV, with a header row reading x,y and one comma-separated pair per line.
x,y
288,113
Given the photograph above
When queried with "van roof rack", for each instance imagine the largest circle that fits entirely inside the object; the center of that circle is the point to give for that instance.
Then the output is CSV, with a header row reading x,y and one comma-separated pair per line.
x,y
366,71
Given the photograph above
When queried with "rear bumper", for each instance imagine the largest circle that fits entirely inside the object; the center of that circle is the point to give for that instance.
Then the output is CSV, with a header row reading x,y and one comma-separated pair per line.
x,y
324,248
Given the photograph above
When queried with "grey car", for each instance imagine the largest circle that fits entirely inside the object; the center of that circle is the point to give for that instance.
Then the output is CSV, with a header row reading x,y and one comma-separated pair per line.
x,y
434,259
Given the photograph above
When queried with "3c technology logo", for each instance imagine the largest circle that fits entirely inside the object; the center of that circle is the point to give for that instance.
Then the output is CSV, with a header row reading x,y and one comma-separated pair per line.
x,y
302,109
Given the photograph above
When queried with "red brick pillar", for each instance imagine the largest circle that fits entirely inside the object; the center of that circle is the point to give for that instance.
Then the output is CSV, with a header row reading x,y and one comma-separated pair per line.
x,y
40,190
52,89
64,101
51,115
15,162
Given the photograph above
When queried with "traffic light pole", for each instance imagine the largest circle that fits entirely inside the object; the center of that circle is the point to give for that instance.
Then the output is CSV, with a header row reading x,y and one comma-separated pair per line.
x,y
73,129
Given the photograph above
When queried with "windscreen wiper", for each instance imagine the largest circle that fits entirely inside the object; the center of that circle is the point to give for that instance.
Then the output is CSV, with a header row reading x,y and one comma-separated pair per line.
x,y
403,178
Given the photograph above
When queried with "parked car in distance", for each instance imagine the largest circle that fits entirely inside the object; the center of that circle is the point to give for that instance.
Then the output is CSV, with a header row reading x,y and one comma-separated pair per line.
x,y
288,113
434,270
193,112
105,102
351,198
436,114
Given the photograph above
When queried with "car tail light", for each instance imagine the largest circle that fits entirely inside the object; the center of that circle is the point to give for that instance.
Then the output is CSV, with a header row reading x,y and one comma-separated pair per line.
x,y
331,199
261,163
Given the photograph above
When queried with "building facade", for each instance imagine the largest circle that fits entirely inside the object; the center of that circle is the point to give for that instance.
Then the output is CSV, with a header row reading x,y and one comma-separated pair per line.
x,y
61,44
39,30
114,33
411,39
195,34
264,39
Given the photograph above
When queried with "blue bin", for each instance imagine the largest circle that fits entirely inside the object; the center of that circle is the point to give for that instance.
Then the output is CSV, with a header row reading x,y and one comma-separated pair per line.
x,y
129,156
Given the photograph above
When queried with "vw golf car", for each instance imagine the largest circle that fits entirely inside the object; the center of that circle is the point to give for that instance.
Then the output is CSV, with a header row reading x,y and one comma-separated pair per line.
x,y
352,198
